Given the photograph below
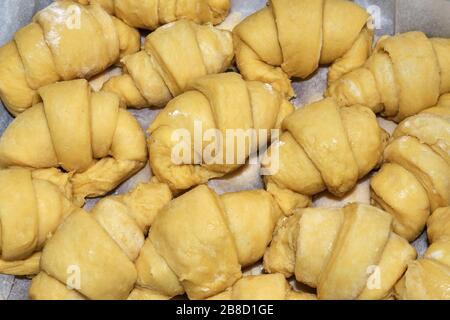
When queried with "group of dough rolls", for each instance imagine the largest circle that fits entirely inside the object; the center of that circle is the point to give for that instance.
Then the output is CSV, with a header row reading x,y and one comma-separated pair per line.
x,y
345,253
214,235
291,38
150,14
98,249
68,143
323,147
405,75
85,133
173,56
223,102
65,41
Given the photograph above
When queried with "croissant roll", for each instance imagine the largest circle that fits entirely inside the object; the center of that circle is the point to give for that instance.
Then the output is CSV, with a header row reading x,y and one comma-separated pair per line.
x,y
65,41
429,278
291,38
346,253
405,75
214,237
84,133
32,205
150,14
223,101
262,287
174,55
99,248
323,147
415,179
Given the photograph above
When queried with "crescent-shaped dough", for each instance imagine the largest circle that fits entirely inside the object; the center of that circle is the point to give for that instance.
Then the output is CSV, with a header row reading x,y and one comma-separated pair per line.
x,y
82,132
150,14
405,75
415,179
216,103
174,55
32,206
323,147
290,38
429,278
348,253
65,41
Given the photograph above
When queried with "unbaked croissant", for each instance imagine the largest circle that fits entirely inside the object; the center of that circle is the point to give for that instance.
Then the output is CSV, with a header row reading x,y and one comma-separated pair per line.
x,y
429,278
348,253
216,102
197,244
415,179
291,38
84,133
174,55
263,287
32,205
93,254
65,41
405,75
324,147
150,14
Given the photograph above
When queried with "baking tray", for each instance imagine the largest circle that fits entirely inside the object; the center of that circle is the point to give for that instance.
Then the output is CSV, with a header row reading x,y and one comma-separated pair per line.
x,y
391,16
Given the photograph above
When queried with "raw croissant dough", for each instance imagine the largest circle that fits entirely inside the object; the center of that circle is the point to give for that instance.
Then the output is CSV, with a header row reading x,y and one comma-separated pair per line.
x,y
415,179
429,278
405,75
214,237
174,55
291,38
32,205
51,49
263,287
100,248
324,147
223,101
150,14
336,250
82,132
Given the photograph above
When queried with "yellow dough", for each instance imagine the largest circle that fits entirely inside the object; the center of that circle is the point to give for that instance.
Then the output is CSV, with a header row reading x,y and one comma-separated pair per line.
x,y
150,14
348,253
222,101
85,133
65,41
415,180
174,55
263,287
99,249
324,147
429,278
405,75
290,38
199,242
32,206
